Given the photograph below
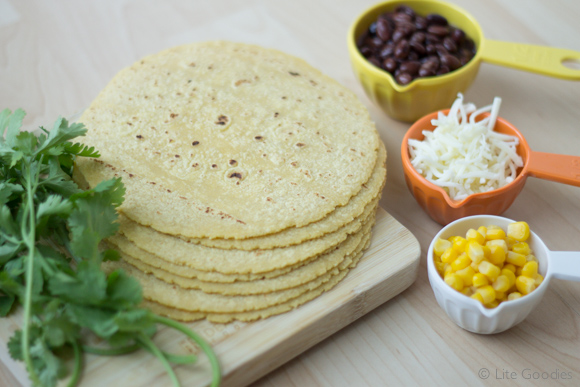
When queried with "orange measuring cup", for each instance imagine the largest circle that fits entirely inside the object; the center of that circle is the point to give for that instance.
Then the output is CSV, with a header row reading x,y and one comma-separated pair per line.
x,y
441,208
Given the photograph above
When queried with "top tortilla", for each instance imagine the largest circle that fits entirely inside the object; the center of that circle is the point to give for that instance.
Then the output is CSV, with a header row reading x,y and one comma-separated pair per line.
x,y
227,140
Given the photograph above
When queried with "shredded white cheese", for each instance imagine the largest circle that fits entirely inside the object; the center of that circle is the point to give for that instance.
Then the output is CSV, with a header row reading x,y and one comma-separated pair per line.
x,y
463,156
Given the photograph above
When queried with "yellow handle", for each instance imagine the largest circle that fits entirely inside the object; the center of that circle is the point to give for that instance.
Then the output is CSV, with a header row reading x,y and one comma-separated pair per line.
x,y
537,59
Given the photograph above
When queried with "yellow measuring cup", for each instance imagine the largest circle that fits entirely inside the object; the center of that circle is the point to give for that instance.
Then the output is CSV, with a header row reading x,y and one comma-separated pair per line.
x,y
425,95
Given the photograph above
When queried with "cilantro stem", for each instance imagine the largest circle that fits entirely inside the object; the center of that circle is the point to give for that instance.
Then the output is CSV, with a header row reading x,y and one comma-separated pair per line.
x,y
29,236
150,345
111,351
78,365
215,366
179,359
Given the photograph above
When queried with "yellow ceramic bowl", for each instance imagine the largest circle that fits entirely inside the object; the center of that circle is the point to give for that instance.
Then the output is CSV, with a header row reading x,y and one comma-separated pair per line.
x,y
425,95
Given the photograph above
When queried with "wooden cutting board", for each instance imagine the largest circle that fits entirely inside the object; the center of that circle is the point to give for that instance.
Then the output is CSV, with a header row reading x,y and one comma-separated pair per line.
x,y
248,351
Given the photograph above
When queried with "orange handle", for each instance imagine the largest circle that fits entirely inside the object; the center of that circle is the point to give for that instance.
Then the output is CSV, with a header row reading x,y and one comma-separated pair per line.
x,y
554,167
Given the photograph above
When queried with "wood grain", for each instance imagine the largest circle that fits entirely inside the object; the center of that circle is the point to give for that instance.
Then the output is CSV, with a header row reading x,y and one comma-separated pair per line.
x,y
56,55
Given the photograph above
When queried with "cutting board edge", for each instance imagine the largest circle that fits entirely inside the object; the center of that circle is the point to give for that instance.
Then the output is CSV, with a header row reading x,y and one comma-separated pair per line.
x,y
362,302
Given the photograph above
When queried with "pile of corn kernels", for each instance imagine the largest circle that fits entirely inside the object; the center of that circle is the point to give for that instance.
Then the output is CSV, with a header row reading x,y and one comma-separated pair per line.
x,y
488,265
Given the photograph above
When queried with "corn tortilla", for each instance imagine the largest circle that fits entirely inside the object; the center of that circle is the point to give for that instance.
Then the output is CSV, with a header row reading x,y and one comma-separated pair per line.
x,y
232,141
336,219
197,301
184,315
177,251
306,273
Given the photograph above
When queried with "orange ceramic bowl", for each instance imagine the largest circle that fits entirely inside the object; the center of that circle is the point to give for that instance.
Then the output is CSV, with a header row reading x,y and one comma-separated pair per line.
x,y
437,203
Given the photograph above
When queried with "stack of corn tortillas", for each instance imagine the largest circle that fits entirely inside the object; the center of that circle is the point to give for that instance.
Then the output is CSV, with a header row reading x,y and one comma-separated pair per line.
x,y
252,179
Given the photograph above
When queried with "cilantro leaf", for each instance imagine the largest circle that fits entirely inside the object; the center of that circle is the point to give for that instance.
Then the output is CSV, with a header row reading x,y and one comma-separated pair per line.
x,y
87,287
54,205
6,302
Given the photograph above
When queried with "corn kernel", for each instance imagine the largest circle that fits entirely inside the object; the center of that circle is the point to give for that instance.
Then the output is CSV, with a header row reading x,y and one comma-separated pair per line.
x,y
483,231
486,252
440,266
492,304
466,275
538,279
440,246
510,267
510,242
495,233
461,262
518,271
510,275
454,281
453,238
513,258
478,297
522,248
497,255
531,257
479,280
490,270
467,292
487,293
500,296
514,296
448,270
501,284
475,266
475,251
459,244
474,235
525,284
520,231
450,255
530,269
498,242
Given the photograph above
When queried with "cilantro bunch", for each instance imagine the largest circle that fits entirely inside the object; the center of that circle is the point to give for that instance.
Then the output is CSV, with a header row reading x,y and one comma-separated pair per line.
x,y
50,260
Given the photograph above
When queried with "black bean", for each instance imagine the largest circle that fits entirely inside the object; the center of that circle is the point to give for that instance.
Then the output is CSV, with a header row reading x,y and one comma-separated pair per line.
x,y
407,28
402,49
418,37
443,70
450,61
441,50
405,9
417,47
374,61
366,51
398,35
390,65
420,22
410,67
404,78
400,17
432,59
436,19
383,29
457,35
430,48
434,39
449,44
373,28
387,50
438,30
468,43
426,72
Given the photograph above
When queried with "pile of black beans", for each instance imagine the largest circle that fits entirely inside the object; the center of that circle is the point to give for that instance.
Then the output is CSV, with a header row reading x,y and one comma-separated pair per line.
x,y
410,46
